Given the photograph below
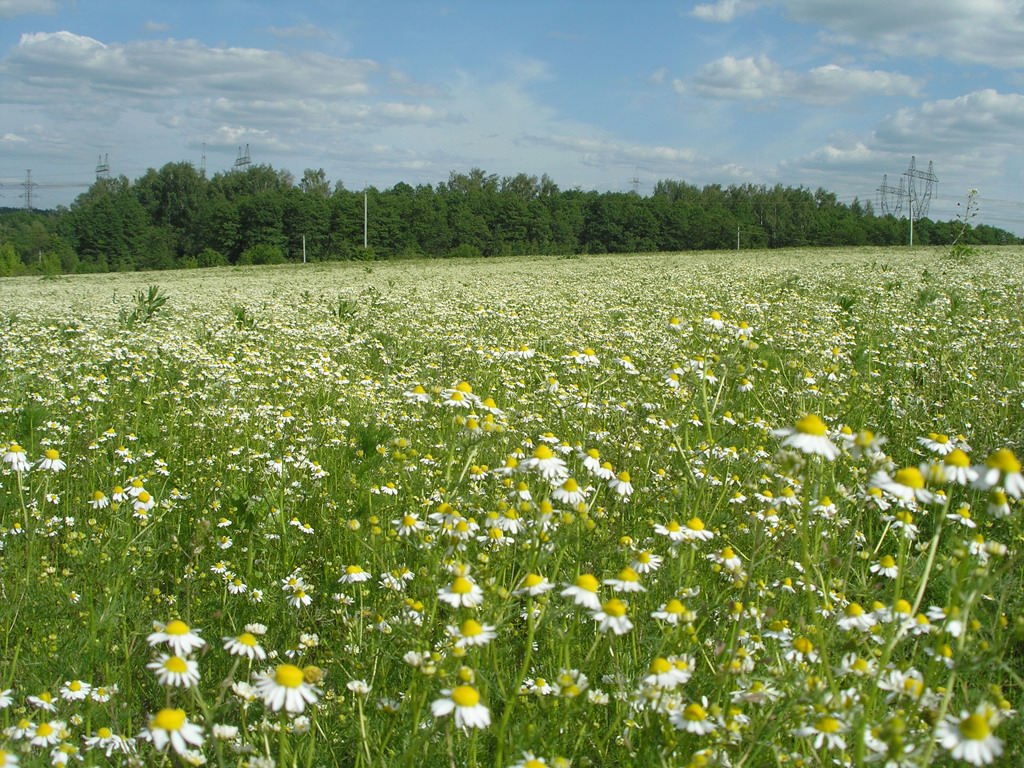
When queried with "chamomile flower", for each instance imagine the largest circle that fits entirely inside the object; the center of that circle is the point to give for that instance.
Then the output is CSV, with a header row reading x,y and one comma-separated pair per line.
x,y
969,737
182,639
612,616
569,493
354,574
464,701
408,524
51,461
627,580
108,741
285,687
956,466
693,718
622,485
646,562
809,435
674,612
546,463
75,690
245,645
16,458
534,585
584,592
8,759
48,733
472,633
856,618
172,727
175,671
907,485
462,592
886,566
99,500
826,732
1002,468
937,443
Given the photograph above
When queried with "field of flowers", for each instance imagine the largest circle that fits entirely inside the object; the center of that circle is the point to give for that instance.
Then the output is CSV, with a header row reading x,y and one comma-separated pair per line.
x,y
662,510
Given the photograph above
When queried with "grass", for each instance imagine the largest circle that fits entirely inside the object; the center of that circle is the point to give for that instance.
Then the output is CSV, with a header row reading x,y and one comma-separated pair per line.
x,y
272,419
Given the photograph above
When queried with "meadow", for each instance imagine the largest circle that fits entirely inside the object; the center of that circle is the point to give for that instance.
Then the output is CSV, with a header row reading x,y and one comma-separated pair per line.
x,y
707,509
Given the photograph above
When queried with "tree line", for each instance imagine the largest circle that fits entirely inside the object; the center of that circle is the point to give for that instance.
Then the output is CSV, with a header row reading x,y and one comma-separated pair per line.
x,y
177,217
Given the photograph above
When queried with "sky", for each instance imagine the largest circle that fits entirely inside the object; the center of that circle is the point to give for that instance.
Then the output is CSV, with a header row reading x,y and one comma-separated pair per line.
x,y
597,94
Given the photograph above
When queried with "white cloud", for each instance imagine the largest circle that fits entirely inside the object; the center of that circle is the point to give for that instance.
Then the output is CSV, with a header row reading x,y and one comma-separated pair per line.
x,y
723,10
13,138
759,78
976,31
156,26
11,8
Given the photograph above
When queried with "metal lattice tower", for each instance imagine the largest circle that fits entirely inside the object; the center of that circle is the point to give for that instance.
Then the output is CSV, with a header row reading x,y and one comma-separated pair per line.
x,y
890,198
243,160
919,188
103,167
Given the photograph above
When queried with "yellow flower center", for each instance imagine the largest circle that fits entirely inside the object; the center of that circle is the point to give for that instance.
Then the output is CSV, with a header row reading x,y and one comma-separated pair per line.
x,y
887,561
901,606
409,521
176,627
289,676
911,477
464,387
975,727
248,639
176,664
811,425
628,574
570,485
532,580
660,666
144,497
614,608
168,720
51,454
471,628
1004,461
462,585
465,696
587,581
543,453
854,609
674,606
803,645
694,524
76,685
98,495
624,476
44,730
104,733
828,725
353,569
694,713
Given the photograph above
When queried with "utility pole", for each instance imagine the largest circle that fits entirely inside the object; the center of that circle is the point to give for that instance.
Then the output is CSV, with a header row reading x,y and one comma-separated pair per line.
x,y
303,249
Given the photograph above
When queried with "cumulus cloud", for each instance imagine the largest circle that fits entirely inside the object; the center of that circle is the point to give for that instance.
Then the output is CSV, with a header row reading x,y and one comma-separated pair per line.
x,y
973,31
757,78
723,10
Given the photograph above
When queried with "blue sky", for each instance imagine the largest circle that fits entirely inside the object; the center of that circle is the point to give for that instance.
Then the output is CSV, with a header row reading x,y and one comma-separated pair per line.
x,y
595,94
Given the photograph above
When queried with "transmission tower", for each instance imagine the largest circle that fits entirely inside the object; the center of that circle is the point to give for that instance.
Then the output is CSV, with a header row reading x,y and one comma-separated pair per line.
x,y
635,182
103,167
29,186
243,160
919,199
890,198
